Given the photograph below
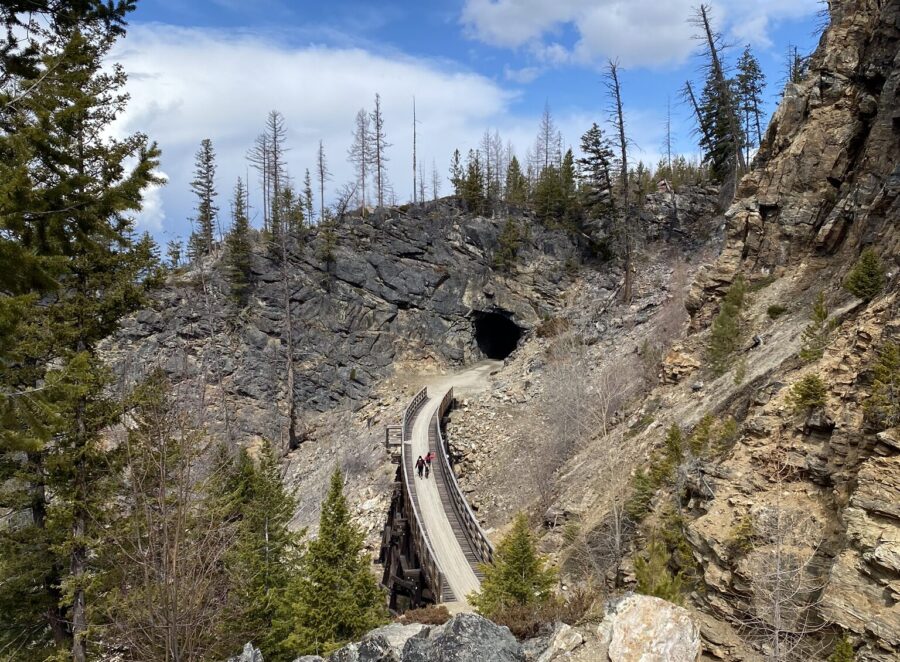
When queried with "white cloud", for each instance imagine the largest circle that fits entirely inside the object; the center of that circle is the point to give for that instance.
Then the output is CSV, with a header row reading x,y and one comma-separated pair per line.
x,y
190,84
153,214
522,76
640,33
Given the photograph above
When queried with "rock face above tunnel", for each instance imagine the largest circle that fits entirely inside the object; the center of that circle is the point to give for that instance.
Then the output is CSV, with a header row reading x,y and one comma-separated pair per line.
x,y
399,285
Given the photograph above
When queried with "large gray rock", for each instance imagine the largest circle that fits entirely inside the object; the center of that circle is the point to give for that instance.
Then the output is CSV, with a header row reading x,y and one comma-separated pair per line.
x,y
464,638
382,645
564,640
641,628
249,654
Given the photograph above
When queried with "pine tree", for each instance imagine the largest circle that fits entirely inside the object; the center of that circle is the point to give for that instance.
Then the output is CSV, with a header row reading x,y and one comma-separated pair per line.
x,y
457,175
336,597
866,279
516,184
548,195
653,575
726,333
510,241
843,651
751,83
238,245
264,556
518,577
883,405
472,185
174,250
568,188
595,171
815,335
308,203
70,198
204,187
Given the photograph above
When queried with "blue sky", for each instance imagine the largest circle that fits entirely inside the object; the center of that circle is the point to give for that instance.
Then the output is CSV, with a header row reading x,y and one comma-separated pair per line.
x,y
213,68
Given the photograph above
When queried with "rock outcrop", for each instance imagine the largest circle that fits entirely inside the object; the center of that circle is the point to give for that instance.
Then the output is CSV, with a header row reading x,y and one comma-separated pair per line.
x,y
827,175
395,286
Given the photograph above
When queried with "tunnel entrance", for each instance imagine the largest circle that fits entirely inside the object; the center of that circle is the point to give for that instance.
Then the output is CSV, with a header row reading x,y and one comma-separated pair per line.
x,y
496,335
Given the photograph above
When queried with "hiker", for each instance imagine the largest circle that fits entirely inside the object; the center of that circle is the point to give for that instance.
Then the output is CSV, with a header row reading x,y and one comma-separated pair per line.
x,y
427,469
428,458
420,465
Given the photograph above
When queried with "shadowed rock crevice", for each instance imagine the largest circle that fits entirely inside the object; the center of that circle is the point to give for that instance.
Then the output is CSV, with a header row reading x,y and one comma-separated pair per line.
x,y
496,335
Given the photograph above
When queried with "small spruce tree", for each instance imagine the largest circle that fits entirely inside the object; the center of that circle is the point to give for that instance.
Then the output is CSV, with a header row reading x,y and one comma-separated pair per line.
x,y
653,575
807,394
815,335
518,577
883,406
510,242
843,651
726,332
336,597
866,278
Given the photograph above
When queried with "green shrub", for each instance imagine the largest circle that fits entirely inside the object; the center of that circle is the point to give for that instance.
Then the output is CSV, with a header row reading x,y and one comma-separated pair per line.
x,y
815,335
882,408
740,538
775,311
866,278
807,394
726,332
682,555
653,575
843,651
761,284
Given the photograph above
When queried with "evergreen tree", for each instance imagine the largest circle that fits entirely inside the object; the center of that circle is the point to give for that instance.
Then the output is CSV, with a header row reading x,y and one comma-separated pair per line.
x,y
510,241
457,175
751,83
472,186
548,195
595,171
883,405
263,557
173,252
815,335
568,187
68,196
653,575
518,577
204,187
843,651
308,207
721,147
516,184
238,246
726,334
336,597
866,279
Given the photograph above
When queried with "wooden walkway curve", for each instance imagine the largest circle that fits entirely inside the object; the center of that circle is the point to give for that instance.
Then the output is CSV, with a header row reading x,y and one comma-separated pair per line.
x,y
447,542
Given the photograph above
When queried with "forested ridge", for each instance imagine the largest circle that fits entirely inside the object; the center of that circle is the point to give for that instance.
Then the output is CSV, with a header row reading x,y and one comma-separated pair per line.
x,y
139,520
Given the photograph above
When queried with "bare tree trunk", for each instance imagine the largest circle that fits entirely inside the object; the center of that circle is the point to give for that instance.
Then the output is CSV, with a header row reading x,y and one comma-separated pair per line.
x,y
619,124
415,167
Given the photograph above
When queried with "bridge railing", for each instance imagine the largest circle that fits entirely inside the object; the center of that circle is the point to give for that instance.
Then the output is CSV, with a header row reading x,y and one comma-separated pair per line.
x,y
477,537
427,557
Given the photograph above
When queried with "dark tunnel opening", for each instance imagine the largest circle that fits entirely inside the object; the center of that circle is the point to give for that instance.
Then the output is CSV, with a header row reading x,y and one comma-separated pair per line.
x,y
496,335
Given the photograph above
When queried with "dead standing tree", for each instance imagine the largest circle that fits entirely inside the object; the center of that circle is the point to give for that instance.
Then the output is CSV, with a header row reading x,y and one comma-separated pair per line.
x,y
625,216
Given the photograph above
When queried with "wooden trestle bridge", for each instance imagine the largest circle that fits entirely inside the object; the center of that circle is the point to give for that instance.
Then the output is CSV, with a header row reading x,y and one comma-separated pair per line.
x,y
432,543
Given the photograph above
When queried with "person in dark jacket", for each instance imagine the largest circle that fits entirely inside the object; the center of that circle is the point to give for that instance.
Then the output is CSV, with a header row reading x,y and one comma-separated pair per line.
x,y
420,466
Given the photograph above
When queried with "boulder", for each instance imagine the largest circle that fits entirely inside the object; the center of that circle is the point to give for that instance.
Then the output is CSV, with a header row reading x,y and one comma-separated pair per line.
x,y
641,628
464,638
249,654
382,645
564,640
